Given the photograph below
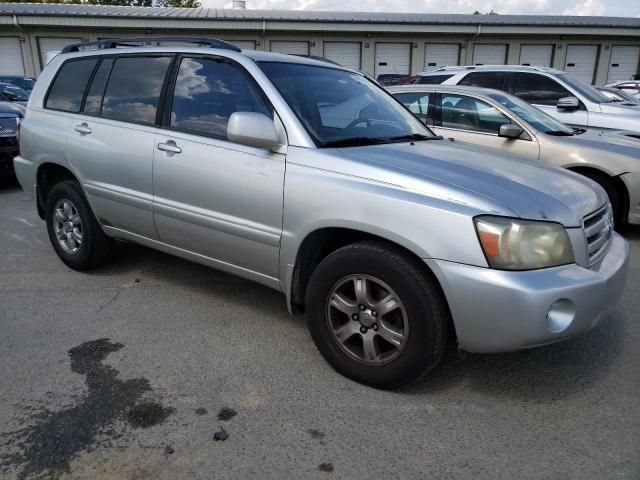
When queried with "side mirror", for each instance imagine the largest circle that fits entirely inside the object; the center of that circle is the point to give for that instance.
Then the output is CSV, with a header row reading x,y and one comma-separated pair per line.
x,y
12,97
252,129
511,131
568,103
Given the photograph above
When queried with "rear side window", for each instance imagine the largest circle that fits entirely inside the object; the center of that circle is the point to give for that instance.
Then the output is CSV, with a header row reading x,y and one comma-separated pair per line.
x,y
93,103
493,80
434,79
417,103
133,89
208,92
537,89
69,85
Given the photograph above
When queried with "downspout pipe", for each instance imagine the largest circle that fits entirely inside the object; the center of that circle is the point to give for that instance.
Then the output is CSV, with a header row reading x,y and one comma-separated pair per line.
x,y
477,34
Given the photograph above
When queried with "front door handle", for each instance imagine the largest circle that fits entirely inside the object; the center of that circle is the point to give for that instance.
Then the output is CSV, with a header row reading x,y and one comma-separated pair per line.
x,y
82,129
170,147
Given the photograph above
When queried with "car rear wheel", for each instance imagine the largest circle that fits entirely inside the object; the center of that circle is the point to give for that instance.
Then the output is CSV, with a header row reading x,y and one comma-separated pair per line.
x,y
73,230
375,316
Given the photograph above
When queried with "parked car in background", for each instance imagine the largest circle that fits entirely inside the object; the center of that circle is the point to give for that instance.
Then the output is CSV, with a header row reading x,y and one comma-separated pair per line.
x,y
617,95
10,116
495,119
387,236
25,83
12,93
558,93
388,79
632,87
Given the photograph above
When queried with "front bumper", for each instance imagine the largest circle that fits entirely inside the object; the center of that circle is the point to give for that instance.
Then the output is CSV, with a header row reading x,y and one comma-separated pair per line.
x,y
8,150
498,311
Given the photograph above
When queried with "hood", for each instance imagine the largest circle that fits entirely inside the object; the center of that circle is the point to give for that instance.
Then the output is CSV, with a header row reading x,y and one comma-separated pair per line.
x,y
619,142
622,108
529,190
12,107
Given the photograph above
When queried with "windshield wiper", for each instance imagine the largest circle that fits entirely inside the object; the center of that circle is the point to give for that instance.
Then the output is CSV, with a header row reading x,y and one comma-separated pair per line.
x,y
416,137
561,133
353,142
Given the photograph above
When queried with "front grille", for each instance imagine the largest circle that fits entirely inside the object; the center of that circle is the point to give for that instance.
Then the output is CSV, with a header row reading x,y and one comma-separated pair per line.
x,y
598,227
8,125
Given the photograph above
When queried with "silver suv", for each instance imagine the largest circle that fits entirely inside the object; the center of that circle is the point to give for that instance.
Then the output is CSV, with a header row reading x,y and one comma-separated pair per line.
x,y
312,180
558,93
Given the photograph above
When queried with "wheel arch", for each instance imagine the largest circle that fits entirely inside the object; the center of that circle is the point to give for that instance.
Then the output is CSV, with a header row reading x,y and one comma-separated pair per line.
x,y
615,180
321,242
48,175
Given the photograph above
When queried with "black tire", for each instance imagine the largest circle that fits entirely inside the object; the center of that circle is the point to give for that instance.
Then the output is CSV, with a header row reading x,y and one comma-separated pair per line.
x,y
95,247
612,193
426,310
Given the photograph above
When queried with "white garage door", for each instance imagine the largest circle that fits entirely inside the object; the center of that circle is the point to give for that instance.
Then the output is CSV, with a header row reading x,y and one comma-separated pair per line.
x,y
536,55
581,62
624,63
393,58
438,55
346,54
292,48
244,44
485,54
11,56
53,44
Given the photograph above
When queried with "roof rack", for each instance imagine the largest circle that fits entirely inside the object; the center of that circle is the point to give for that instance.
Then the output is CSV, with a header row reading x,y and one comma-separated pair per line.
x,y
491,67
130,42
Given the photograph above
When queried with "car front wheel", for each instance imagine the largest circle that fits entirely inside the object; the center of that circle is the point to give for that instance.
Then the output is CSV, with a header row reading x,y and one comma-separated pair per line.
x,y
376,316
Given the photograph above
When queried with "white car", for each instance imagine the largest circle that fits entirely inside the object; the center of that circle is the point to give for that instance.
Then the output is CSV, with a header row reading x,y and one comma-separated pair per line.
x,y
556,92
632,87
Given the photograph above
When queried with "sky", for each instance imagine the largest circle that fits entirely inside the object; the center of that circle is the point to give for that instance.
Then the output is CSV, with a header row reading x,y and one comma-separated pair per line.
x,y
616,8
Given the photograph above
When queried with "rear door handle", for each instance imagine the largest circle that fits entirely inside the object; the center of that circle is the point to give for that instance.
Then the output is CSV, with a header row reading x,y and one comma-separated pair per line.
x,y
170,147
83,129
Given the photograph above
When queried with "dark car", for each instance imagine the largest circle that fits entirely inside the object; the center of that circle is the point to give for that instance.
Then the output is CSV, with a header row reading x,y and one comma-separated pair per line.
x,y
25,83
13,93
390,79
10,116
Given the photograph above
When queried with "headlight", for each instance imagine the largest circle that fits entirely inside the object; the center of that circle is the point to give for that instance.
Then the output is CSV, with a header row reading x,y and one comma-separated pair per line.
x,y
512,244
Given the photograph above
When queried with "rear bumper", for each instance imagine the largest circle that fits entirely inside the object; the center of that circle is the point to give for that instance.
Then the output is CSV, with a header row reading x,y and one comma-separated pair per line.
x,y
497,311
26,174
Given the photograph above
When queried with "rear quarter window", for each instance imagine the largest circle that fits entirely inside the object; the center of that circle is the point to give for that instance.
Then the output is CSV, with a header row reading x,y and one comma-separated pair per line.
x,y
68,87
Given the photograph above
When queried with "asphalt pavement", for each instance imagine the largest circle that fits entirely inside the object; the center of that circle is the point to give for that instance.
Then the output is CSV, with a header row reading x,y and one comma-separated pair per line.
x,y
129,371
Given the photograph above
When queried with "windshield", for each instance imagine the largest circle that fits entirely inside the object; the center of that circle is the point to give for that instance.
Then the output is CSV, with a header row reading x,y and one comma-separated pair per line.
x,y
536,118
583,89
14,93
24,83
339,108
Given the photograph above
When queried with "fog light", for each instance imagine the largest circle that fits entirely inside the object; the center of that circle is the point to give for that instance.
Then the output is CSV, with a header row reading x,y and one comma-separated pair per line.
x,y
560,315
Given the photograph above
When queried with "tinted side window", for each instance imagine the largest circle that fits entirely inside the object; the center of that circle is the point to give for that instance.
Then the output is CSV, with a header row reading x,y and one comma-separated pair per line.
x,y
93,102
417,103
133,90
434,79
537,89
69,85
484,80
208,91
466,113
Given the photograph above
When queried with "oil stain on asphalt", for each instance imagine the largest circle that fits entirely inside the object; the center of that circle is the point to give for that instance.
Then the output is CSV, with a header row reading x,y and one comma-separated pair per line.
x,y
49,445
